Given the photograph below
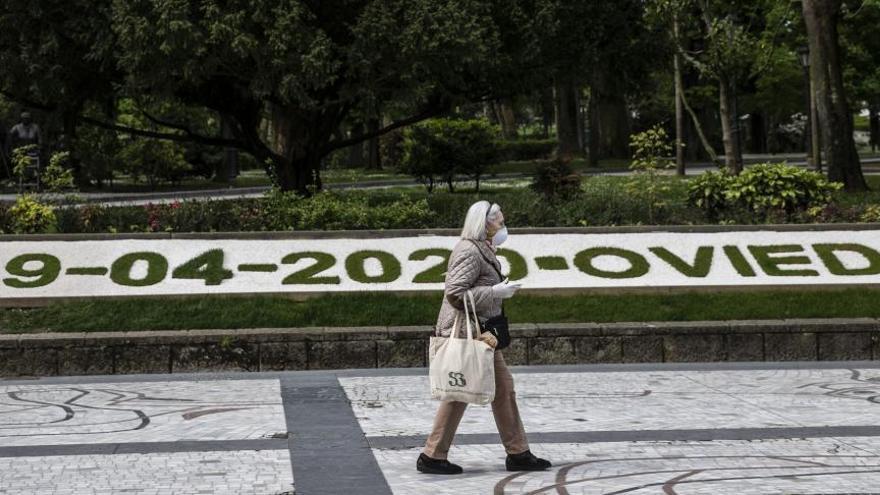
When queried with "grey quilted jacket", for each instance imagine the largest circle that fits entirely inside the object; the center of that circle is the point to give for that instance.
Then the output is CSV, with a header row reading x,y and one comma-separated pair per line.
x,y
468,269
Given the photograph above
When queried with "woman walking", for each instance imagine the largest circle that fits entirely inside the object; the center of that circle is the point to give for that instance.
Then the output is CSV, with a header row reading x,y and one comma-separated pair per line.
x,y
473,266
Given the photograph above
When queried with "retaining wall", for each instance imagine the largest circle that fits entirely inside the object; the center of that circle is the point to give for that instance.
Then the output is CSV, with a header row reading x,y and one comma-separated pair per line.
x,y
369,347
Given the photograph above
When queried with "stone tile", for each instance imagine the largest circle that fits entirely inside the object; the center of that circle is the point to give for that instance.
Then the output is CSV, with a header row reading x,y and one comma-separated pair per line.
x,y
142,359
790,347
599,350
549,350
802,466
745,347
642,349
845,346
180,473
50,414
407,353
28,362
85,361
228,355
342,354
517,353
281,356
694,348
636,401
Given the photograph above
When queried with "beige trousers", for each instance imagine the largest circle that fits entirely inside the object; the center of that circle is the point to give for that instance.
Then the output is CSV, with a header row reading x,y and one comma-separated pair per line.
x,y
510,427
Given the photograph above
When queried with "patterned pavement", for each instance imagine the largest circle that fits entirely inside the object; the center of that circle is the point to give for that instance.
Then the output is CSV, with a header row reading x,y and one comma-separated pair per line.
x,y
737,429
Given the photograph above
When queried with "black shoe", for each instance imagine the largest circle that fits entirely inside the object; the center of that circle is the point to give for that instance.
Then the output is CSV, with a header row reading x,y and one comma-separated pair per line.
x,y
430,465
526,462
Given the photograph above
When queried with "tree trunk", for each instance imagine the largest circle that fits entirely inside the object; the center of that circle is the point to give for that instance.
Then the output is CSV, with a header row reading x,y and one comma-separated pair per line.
x,y
874,120
546,111
226,169
566,117
808,126
594,130
679,110
356,151
506,118
612,114
729,127
70,120
821,17
757,133
373,160
300,146
580,121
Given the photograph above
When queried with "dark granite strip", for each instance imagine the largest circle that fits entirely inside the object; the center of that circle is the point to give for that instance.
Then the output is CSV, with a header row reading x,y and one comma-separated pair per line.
x,y
328,450
144,447
411,441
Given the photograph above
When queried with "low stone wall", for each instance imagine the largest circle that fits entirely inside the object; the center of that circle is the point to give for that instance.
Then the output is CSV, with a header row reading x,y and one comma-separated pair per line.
x,y
369,347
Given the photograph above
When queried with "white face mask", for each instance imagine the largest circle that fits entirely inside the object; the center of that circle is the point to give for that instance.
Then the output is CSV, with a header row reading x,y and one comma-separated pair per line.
x,y
500,236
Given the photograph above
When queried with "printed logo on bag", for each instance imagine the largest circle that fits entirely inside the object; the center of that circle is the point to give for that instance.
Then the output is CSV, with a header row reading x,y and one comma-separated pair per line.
x,y
456,379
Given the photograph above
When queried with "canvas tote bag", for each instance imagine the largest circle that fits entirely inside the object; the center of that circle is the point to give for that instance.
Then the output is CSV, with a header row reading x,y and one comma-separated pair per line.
x,y
462,369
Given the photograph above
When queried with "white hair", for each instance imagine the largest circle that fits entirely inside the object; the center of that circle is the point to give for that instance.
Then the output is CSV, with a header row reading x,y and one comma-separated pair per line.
x,y
476,219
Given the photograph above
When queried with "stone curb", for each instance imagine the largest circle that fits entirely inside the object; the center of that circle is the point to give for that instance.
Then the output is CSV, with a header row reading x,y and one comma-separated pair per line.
x,y
276,349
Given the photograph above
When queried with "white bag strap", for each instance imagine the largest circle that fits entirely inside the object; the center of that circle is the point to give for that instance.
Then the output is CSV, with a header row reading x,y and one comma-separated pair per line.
x,y
474,310
456,325
467,318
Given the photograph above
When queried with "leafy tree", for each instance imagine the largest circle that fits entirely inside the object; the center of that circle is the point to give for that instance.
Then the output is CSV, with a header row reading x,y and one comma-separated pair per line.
x,y
735,43
441,148
861,70
826,71
57,56
311,64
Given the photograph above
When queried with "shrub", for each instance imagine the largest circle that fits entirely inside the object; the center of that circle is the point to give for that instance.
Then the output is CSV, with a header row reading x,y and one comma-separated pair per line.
x,y
5,221
334,211
763,192
649,149
29,216
97,150
154,160
707,192
871,214
57,177
438,149
526,149
780,188
21,159
557,179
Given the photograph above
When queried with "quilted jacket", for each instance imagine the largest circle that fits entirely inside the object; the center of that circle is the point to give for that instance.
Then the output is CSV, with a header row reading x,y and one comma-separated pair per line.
x,y
468,269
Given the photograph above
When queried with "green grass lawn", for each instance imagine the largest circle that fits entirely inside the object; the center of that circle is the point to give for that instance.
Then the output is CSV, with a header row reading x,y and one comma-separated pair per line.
x,y
383,309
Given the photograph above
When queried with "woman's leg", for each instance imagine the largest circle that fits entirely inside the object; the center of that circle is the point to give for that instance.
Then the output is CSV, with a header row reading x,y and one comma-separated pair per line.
x,y
507,419
445,423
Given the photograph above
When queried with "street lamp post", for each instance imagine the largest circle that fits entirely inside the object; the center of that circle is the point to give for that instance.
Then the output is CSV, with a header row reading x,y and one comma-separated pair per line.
x,y
813,119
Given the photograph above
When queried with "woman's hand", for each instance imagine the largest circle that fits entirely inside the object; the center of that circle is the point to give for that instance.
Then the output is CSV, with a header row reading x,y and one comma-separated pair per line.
x,y
504,290
489,339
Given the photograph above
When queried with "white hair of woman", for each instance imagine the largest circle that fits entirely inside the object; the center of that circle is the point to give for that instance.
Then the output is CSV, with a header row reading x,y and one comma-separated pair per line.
x,y
478,215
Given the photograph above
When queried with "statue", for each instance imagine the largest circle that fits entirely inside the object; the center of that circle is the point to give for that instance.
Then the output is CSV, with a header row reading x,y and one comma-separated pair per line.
x,y
24,133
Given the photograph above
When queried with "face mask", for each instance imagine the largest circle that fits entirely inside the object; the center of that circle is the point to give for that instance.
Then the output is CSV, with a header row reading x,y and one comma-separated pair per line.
x,y
500,236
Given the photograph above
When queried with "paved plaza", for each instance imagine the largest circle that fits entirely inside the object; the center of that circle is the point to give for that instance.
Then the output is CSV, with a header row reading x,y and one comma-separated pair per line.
x,y
760,428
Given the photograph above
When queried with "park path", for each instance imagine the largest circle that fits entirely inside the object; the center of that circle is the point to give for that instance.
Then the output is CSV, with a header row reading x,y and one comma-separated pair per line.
x,y
871,166
708,428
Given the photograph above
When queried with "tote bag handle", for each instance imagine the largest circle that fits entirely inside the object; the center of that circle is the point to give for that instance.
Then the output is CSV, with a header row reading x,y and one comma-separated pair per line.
x,y
467,316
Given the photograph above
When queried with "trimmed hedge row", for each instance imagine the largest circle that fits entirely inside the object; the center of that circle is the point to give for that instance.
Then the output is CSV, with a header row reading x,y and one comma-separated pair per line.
x,y
603,202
